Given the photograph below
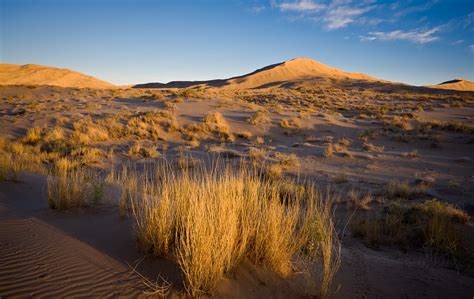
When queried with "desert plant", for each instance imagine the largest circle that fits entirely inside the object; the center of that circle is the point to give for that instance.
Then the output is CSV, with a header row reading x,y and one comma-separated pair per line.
x,y
402,189
33,135
69,187
328,150
215,123
211,217
432,225
260,117
290,123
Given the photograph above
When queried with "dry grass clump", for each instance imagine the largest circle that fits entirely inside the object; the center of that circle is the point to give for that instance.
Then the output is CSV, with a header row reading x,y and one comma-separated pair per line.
x,y
259,140
360,201
396,123
86,131
9,167
344,142
404,190
244,135
290,123
151,125
257,154
86,155
411,155
113,126
223,151
150,152
216,123
328,150
212,217
192,93
16,157
368,147
432,225
33,135
367,134
134,149
260,117
454,126
287,160
72,187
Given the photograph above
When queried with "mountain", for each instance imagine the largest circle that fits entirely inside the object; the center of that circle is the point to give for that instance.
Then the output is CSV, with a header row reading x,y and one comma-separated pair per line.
x,y
456,84
32,74
289,73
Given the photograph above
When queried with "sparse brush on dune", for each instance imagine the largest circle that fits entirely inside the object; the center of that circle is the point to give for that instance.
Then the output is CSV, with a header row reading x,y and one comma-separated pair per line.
x,y
260,117
216,123
209,218
72,187
434,226
290,123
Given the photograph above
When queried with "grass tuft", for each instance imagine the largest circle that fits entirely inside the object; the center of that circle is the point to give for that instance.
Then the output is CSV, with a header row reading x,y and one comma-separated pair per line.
x,y
209,218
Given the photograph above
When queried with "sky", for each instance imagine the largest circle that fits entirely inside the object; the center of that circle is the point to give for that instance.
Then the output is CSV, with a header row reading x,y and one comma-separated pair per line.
x,y
129,42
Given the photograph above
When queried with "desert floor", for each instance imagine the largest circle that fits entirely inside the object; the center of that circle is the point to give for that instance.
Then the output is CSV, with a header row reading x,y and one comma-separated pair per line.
x,y
358,145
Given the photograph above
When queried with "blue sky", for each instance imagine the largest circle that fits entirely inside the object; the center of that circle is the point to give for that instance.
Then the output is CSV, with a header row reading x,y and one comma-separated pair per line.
x,y
126,42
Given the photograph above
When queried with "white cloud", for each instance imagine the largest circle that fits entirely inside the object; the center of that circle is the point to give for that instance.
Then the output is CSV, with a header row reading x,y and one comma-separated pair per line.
x,y
337,14
419,36
341,16
300,6
471,48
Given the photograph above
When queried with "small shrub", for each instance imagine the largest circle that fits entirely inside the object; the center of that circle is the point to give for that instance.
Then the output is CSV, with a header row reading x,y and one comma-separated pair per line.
x,y
215,123
287,160
73,188
404,190
290,123
433,226
245,135
33,135
260,117
328,150
368,147
257,153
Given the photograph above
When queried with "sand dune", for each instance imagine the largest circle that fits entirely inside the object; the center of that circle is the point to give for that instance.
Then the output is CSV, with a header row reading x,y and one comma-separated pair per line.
x,y
41,261
295,69
456,84
32,74
281,74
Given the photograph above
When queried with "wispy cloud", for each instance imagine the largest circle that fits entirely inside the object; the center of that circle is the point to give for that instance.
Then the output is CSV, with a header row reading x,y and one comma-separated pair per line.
x,y
334,15
403,8
458,42
340,16
257,8
471,48
300,6
419,36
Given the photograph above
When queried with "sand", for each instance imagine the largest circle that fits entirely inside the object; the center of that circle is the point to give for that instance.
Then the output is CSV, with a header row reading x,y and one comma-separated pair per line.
x,y
456,84
32,74
90,251
280,74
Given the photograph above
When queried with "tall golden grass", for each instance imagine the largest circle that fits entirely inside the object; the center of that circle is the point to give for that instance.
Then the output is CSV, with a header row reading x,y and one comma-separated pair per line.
x,y
69,186
209,218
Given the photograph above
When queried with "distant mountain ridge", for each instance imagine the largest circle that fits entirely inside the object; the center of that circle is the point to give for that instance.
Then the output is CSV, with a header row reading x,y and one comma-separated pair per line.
x,y
33,74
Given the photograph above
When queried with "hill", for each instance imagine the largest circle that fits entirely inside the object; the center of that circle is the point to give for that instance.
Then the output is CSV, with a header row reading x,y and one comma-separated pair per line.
x,y
456,84
285,74
32,74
